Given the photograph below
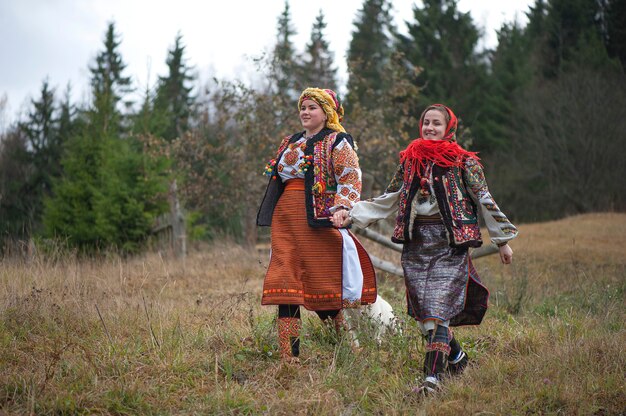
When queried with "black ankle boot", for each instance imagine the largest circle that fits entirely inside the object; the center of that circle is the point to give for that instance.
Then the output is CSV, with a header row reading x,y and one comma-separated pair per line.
x,y
457,360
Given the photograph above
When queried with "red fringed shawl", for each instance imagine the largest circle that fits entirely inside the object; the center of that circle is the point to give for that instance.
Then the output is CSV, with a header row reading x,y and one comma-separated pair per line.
x,y
421,152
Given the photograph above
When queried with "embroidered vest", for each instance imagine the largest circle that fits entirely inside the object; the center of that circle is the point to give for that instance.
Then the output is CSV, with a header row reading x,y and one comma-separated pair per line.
x,y
458,210
319,182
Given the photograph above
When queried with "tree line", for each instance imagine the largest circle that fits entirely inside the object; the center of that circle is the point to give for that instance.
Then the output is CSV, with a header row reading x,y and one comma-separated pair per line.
x,y
545,109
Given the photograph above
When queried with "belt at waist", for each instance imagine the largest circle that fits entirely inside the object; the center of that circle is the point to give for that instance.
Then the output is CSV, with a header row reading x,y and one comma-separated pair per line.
x,y
294,185
428,219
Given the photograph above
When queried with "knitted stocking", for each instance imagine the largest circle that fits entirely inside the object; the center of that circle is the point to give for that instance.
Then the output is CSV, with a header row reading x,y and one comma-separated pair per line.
x,y
436,359
340,323
289,338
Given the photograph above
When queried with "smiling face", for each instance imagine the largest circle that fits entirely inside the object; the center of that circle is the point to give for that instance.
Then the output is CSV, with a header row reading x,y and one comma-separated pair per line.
x,y
312,117
434,125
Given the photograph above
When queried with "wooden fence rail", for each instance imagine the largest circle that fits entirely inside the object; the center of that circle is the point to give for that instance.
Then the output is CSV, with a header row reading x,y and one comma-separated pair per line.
x,y
389,267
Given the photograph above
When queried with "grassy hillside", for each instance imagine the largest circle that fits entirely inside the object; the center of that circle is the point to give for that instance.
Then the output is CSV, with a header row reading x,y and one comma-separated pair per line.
x,y
155,336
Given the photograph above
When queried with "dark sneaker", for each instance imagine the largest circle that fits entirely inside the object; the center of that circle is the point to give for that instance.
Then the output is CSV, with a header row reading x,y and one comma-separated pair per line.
x,y
458,364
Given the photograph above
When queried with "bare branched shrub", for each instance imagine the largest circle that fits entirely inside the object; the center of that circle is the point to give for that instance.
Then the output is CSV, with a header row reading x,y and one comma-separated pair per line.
x,y
222,159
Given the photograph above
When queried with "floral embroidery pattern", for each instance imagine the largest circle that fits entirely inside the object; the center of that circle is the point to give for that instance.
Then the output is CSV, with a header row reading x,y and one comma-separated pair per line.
x,y
406,177
396,182
291,157
462,210
344,156
501,218
305,163
351,177
346,166
271,164
288,328
509,230
475,178
346,303
293,163
324,184
438,346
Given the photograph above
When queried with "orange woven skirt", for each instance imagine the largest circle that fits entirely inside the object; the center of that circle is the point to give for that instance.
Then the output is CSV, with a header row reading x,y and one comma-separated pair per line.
x,y
306,263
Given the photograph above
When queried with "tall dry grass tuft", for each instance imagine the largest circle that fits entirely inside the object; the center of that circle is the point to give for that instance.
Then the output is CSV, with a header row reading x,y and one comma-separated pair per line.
x,y
155,335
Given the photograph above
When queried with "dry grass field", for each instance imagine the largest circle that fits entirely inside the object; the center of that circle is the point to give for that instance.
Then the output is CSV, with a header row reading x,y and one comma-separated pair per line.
x,y
151,335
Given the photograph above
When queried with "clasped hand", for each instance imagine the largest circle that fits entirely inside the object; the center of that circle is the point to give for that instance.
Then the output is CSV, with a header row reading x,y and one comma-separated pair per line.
x,y
341,218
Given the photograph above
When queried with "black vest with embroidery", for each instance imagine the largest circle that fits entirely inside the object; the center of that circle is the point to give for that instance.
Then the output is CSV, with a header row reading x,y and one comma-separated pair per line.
x,y
457,209
319,183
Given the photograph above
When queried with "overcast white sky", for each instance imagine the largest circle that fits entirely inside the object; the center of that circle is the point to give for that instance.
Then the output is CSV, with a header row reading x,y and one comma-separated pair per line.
x,y
58,39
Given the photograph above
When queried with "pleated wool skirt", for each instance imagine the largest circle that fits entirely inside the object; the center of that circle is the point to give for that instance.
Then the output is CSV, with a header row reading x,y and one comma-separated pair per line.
x,y
441,282
306,263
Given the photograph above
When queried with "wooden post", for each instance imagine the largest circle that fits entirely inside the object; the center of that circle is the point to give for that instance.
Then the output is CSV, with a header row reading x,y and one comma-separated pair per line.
x,y
179,237
250,226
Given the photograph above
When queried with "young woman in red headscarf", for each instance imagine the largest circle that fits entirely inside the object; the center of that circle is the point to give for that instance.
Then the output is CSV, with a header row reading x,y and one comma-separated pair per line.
x,y
438,192
314,174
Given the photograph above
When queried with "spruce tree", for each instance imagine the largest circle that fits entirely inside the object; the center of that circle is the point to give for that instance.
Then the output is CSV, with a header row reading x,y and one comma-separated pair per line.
x,y
109,86
147,121
107,196
72,211
285,59
67,122
16,201
41,130
174,101
567,35
369,53
536,27
69,213
443,41
318,68
566,23
511,74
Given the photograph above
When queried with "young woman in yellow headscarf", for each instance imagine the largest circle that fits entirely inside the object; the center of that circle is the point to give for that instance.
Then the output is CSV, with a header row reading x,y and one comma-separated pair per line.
x,y
314,174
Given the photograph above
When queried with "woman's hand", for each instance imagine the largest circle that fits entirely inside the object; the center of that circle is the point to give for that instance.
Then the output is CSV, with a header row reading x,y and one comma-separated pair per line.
x,y
341,218
506,254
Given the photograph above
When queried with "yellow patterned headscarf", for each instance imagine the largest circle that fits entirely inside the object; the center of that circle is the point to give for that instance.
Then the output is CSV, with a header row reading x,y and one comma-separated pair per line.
x,y
327,99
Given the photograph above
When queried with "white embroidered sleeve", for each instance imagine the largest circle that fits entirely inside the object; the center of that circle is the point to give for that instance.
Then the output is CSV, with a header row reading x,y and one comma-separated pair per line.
x,y
500,228
365,213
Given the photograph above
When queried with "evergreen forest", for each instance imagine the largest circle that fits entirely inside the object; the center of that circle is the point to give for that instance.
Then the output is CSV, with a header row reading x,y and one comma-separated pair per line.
x,y
545,109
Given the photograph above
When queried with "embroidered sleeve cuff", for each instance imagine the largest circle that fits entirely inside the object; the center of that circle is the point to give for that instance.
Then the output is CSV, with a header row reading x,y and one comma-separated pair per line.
x,y
501,241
